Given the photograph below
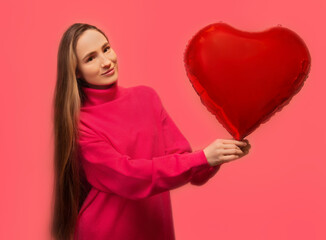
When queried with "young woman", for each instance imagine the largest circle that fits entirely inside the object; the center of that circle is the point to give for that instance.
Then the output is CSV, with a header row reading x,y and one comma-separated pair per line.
x,y
117,151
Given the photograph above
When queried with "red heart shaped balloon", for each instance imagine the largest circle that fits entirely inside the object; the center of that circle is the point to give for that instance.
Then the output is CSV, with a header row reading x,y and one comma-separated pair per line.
x,y
244,78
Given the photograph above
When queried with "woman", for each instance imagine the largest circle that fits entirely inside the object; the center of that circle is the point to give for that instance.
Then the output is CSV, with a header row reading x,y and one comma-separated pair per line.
x,y
117,151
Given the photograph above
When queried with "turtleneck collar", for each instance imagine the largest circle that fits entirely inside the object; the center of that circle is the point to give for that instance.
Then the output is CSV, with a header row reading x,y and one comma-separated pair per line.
x,y
96,96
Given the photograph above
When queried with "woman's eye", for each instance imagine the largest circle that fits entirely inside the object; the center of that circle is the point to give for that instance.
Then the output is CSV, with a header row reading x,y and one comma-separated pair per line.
x,y
89,59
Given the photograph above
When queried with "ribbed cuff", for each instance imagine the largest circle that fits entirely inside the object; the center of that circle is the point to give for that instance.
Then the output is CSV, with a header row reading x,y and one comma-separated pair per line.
x,y
199,160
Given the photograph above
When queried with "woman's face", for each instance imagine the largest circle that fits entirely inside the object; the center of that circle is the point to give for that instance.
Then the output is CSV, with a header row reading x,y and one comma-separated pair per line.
x,y
95,57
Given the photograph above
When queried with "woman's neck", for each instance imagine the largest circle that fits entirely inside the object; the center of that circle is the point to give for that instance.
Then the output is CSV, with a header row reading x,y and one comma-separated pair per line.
x,y
100,95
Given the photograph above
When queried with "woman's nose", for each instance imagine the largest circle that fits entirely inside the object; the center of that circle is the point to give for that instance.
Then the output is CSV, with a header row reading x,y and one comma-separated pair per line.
x,y
105,61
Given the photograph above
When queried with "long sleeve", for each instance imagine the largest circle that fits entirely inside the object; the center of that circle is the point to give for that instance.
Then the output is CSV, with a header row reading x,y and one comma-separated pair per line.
x,y
110,171
175,142
131,156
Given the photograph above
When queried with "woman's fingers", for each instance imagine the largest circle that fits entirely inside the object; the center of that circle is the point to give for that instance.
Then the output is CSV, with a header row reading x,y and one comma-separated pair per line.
x,y
246,149
231,141
228,146
229,158
233,151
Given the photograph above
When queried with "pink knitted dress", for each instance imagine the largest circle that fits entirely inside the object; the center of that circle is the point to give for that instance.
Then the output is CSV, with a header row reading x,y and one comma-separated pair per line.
x,y
132,154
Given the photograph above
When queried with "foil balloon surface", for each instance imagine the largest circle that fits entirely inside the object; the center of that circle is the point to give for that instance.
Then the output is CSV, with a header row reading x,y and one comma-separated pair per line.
x,y
244,78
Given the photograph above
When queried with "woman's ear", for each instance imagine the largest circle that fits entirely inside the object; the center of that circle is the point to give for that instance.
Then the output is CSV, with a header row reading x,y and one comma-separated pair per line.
x,y
77,75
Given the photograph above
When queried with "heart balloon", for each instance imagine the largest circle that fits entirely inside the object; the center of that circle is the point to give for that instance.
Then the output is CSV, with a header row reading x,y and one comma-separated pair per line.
x,y
244,78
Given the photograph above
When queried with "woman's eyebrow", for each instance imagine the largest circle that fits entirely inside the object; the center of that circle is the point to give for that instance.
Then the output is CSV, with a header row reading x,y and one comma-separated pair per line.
x,y
95,51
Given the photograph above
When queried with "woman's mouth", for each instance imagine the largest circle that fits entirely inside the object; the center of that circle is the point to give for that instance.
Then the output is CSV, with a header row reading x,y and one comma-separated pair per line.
x,y
109,72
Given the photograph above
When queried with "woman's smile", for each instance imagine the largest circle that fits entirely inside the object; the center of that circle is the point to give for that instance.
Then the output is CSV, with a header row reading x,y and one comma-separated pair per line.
x,y
109,72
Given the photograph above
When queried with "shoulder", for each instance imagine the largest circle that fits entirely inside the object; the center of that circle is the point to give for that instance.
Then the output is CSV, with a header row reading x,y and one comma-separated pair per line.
x,y
145,89
147,92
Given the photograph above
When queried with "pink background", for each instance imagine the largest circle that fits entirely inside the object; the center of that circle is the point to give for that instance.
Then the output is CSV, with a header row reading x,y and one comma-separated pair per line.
x,y
277,191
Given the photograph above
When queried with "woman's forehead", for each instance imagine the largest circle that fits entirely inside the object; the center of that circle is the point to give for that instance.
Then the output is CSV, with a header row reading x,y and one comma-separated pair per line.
x,y
90,41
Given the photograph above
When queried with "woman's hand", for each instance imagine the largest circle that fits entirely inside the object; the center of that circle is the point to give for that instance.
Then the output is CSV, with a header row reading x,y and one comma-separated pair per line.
x,y
226,150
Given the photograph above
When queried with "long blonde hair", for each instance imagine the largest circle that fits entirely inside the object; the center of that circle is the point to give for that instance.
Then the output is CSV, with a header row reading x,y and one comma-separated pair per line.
x,y
70,186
